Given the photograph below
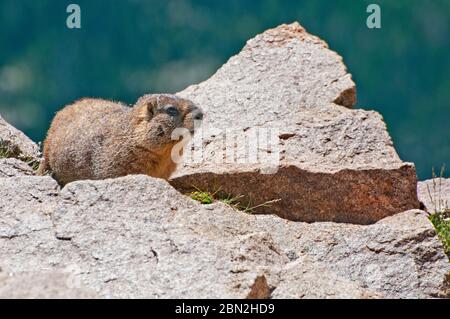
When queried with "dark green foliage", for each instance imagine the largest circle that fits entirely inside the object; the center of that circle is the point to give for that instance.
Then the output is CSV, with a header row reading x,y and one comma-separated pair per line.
x,y
7,150
202,197
441,222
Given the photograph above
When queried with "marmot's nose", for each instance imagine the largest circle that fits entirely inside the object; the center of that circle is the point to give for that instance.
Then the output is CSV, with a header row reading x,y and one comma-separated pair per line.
x,y
197,114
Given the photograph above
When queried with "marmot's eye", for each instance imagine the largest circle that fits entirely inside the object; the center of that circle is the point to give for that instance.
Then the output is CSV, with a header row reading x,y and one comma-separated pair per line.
x,y
171,110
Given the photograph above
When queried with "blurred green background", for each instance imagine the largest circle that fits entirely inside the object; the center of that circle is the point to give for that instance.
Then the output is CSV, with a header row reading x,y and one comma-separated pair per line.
x,y
128,48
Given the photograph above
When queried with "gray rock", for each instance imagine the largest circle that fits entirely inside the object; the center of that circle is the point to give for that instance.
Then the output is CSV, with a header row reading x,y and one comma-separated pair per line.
x,y
325,162
398,257
137,237
434,194
10,167
47,285
14,143
25,205
306,278
27,237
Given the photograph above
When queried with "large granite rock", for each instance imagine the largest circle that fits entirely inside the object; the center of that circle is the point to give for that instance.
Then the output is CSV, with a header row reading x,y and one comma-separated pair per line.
x,y
138,237
287,96
42,285
434,194
27,239
10,167
15,144
306,278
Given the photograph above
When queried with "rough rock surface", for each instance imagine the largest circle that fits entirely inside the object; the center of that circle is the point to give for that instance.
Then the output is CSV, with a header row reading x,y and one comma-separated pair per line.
x,y
45,285
434,194
27,241
10,167
16,144
335,163
138,237
305,278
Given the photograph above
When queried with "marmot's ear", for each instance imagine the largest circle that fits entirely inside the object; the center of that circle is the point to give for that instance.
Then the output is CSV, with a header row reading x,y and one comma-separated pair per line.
x,y
147,106
151,106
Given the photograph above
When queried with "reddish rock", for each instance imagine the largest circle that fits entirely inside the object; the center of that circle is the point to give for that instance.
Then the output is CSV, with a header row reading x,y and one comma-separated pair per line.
x,y
325,161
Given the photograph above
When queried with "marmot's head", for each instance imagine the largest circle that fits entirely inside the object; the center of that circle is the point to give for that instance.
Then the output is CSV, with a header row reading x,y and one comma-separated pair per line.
x,y
159,115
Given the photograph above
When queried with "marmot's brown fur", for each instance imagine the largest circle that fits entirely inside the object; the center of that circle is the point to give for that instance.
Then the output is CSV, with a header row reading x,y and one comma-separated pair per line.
x,y
98,139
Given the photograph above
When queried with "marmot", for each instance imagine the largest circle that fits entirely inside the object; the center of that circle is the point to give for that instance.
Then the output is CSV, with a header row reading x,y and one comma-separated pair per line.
x,y
98,139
